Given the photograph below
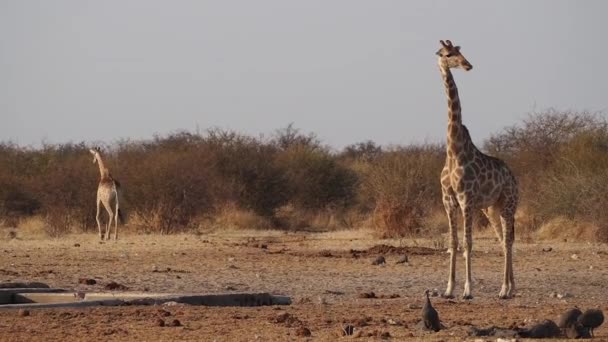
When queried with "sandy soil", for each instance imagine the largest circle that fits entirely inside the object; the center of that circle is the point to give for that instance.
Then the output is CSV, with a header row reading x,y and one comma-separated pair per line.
x,y
319,271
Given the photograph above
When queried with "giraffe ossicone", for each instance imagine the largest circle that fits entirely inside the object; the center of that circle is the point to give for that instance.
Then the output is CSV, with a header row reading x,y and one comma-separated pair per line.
x,y
471,181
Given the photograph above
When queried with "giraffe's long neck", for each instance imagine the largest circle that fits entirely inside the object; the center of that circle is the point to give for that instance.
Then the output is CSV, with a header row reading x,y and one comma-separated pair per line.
x,y
103,171
456,137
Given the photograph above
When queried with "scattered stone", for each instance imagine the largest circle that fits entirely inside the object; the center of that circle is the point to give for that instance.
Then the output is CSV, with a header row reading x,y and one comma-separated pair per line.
x,y
287,319
402,260
87,281
304,300
163,313
370,294
564,295
76,245
303,331
574,256
176,323
348,330
172,303
23,312
434,293
553,294
391,296
325,254
385,335
413,306
264,246
322,300
379,260
115,286
159,322
493,331
332,292
391,321
547,249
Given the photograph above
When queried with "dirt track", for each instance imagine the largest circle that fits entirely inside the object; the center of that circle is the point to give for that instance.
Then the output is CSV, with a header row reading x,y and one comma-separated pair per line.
x,y
319,271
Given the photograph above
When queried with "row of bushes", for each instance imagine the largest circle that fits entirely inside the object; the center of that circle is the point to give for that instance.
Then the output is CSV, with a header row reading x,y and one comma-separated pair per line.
x,y
291,180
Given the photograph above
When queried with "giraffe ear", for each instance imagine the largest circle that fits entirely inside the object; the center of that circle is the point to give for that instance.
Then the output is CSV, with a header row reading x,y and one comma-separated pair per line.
x,y
457,48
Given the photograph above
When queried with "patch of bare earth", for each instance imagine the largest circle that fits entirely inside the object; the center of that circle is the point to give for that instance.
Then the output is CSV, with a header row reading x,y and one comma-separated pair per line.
x,y
319,271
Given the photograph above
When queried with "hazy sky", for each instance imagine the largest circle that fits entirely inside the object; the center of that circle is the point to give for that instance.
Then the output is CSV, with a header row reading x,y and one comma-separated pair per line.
x,y
347,70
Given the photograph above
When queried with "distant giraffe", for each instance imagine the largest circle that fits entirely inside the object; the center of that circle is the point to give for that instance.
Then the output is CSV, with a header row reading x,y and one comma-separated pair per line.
x,y
471,180
108,194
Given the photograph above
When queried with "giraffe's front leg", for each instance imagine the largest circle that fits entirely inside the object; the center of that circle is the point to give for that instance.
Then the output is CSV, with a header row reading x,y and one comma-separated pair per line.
x,y
468,246
451,207
97,218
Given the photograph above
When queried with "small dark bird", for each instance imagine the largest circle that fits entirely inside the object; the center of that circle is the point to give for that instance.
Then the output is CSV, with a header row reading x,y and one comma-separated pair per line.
x,y
576,330
430,317
545,329
568,318
591,319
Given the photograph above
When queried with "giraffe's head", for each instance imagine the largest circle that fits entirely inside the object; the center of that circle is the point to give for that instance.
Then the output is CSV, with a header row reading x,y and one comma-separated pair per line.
x,y
95,152
450,56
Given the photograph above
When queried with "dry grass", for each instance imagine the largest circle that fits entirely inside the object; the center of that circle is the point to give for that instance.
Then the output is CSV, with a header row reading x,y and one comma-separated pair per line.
x,y
32,228
562,228
231,216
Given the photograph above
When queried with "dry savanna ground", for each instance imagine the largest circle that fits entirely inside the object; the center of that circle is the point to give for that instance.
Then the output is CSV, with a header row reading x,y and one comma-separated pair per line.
x,y
326,274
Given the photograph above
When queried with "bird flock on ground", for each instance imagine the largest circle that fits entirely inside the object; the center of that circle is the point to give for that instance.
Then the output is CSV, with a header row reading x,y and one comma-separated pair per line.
x,y
572,324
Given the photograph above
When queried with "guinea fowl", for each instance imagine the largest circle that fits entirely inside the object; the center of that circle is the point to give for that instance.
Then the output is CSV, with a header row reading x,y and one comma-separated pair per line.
x,y
568,318
430,317
545,329
591,319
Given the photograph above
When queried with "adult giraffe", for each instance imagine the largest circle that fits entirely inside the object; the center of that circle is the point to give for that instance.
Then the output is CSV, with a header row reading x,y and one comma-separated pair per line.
x,y
471,180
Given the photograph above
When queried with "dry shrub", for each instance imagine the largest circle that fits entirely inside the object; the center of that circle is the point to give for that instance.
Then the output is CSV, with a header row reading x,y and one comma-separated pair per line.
x,y
435,222
297,219
65,188
562,228
404,186
562,166
314,179
250,175
231,216
164,188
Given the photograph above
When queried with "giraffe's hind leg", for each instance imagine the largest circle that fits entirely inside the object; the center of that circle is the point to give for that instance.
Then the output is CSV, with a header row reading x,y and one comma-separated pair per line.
x,y
508,226
108,207
493,215
116,219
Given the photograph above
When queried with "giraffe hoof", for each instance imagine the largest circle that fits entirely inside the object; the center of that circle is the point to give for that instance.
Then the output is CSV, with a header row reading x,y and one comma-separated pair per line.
x,y
504,296
447,296
467,297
